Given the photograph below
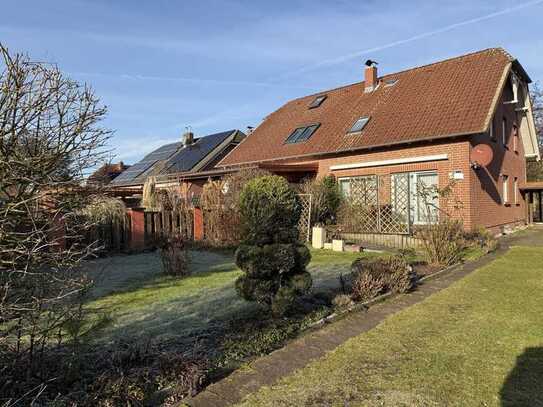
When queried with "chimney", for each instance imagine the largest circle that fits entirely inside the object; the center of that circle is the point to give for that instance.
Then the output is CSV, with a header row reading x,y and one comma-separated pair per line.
x,y
370,76
250,129
187,138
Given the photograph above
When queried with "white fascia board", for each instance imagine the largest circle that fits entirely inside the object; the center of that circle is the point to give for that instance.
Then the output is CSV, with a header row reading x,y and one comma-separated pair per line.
x,y
408,160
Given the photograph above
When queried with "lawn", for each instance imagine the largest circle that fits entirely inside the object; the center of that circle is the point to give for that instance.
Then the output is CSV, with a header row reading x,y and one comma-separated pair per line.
x,y
142,303
477,343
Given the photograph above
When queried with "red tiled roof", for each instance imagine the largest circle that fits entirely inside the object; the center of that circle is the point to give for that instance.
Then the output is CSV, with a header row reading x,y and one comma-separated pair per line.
x,y
452,97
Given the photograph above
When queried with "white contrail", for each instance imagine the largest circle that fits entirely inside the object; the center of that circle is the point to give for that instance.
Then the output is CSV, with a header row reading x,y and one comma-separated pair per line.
x,y
196,81
343,58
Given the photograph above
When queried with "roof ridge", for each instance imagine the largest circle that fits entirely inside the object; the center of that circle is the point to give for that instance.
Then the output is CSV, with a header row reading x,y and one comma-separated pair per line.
x,y
496,49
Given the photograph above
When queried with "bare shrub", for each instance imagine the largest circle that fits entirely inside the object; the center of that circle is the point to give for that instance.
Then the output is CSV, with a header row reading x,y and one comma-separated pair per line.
x,y
342,302
174,255
50,135
368,284
443,237
443,242
371,278
220,203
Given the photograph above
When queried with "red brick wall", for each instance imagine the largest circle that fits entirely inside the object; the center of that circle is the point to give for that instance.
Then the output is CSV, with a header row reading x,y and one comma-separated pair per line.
x,y
458,160
489,210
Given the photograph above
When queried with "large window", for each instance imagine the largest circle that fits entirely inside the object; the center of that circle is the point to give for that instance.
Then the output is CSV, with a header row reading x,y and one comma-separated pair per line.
x,y
505,189
411,195
360,190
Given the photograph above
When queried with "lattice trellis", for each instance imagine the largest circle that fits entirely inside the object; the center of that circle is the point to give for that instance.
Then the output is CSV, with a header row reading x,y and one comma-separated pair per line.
x,y
304,224
395,211
378,204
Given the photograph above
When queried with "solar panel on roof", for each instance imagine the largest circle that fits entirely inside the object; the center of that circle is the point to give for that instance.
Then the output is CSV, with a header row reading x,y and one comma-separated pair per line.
x,y
187,157
174,157
134,171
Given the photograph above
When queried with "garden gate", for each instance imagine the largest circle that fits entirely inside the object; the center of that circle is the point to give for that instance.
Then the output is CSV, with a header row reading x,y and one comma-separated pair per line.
x,y
304,224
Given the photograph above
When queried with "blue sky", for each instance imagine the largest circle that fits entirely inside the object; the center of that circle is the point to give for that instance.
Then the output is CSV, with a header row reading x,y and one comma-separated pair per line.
x,y
215,65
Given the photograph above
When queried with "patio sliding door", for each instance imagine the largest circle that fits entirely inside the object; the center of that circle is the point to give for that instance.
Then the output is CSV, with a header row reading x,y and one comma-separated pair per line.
x,y
423,199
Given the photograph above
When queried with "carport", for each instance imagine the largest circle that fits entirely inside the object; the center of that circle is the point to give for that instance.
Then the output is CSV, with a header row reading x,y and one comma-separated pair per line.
x,y
534,199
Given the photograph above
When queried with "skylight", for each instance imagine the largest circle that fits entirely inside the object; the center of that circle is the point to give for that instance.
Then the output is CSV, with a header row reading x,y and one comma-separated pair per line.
x,y
359,124
301,134
317,101
391,82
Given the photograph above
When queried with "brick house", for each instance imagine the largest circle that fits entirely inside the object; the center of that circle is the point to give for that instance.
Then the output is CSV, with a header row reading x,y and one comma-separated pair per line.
x,y
425,126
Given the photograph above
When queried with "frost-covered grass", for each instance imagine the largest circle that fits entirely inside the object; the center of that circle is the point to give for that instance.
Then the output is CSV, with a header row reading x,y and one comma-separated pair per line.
x,y
142,303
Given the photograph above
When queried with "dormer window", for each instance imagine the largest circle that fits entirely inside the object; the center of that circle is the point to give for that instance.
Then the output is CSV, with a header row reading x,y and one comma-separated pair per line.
x,y
317,101
301,134
359,125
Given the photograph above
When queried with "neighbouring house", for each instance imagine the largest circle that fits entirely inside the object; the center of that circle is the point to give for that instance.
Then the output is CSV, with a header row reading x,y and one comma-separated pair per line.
x,y
186,165
464,123
107,173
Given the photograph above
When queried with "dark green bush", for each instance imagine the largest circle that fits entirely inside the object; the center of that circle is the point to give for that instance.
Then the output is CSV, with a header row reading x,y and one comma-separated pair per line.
x,y
371,278
326,198
270,211
273,260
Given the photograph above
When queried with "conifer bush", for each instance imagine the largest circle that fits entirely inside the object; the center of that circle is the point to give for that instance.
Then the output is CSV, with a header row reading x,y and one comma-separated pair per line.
x,y
273,261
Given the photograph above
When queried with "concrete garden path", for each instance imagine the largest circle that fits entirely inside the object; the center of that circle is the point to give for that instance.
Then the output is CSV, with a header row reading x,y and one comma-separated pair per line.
x,y
266,370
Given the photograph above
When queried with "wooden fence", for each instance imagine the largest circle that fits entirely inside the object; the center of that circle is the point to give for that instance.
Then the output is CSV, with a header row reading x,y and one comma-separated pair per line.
x,y
110,237
167,223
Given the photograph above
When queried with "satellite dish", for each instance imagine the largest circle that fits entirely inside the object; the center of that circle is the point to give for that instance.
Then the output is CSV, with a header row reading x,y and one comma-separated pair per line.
x,y
481,155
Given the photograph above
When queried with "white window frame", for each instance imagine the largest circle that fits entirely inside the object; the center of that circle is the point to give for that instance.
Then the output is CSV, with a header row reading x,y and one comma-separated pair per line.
x,y
414,201
505,189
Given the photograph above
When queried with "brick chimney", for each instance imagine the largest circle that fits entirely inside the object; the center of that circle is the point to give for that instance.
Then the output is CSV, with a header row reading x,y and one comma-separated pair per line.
x,y
370,76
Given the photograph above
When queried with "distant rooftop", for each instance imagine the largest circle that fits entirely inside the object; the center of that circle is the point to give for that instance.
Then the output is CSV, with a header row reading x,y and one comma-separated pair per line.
x,y
173,158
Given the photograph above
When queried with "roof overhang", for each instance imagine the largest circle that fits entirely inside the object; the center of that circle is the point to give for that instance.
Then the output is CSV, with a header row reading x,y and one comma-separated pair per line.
x,y
284,168
533,186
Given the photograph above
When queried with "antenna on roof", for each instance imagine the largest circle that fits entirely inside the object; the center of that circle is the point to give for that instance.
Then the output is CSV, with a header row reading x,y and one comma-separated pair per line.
x,y
370,62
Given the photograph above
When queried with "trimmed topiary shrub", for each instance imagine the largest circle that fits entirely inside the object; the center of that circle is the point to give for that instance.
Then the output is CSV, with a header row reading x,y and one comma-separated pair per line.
x,y
371,278
273,260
